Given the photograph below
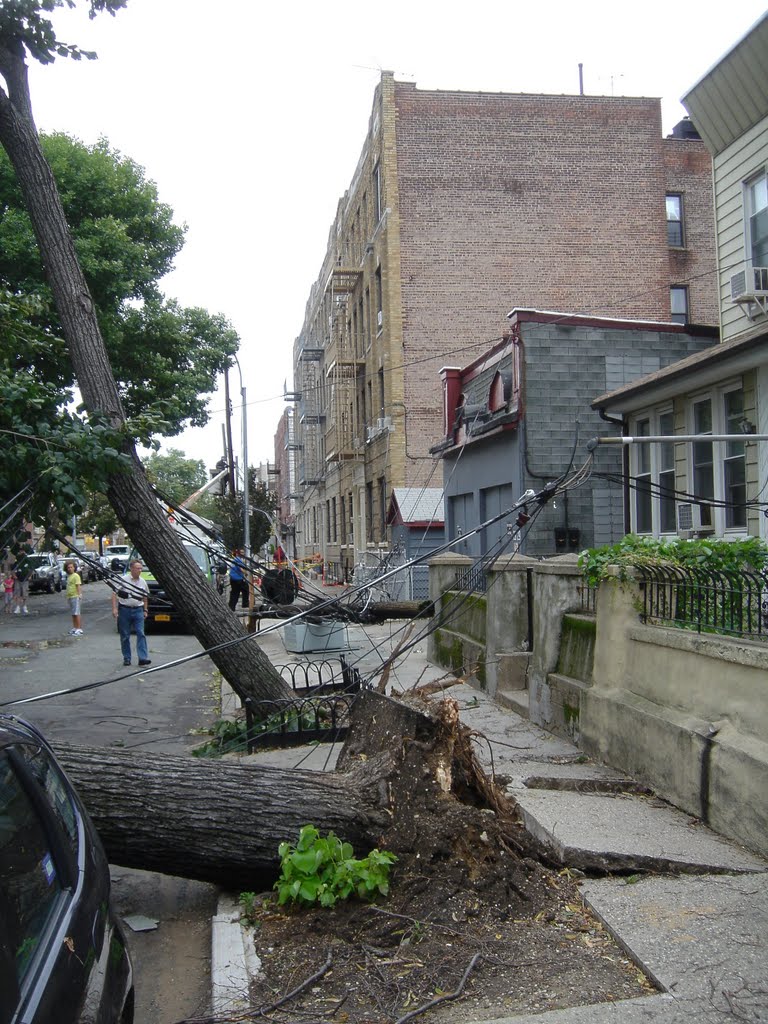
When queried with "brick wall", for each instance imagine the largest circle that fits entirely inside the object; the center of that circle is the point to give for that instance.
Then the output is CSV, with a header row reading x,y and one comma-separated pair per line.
x,y
689,174
553,202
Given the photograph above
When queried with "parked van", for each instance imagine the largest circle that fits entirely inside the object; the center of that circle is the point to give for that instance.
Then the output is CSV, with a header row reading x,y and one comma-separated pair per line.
x,y
161,609
117,557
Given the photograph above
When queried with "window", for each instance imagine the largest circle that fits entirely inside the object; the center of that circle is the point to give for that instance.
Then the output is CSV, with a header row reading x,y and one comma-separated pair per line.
x,y
382,508
734,462
653,469
678,304
369,510
719,467
382,404
757,220
31,885
379,304
675,220
643,497
703,458
334,535
377,194
667,520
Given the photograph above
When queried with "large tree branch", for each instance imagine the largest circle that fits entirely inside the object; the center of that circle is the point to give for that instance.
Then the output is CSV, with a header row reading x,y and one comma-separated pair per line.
x,y
244,666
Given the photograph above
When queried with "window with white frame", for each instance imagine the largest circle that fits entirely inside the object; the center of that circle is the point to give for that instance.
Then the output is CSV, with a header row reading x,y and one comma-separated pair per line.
x,y
719,467
756,221
675,220
653,469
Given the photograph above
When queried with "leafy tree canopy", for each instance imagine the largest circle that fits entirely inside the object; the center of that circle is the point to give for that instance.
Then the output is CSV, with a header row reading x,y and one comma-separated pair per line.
x,y
229,515
175,476
99,518
23,23
165,357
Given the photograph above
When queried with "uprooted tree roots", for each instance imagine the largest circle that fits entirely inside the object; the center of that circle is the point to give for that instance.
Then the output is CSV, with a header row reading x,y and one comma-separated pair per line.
x,y
475,924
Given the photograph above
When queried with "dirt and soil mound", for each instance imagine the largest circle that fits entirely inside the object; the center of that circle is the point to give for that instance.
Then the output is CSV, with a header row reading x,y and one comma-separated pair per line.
x,y
472,911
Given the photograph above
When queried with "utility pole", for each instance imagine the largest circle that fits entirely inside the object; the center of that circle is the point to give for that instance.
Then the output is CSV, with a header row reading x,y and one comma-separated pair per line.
x,y
228,422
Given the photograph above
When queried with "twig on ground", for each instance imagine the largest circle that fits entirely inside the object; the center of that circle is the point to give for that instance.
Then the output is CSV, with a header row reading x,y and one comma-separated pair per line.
x,y
441,999
414,920
264,1010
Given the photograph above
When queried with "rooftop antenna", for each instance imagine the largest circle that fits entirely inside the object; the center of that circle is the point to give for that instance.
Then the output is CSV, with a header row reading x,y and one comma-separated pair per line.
x,y
581,79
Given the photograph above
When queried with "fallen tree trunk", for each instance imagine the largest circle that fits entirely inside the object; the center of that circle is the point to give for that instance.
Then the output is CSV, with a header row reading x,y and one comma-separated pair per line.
x,y
215,821
407,782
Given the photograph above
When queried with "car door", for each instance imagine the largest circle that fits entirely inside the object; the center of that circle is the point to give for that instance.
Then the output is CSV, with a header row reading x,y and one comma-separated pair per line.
x,y
59,961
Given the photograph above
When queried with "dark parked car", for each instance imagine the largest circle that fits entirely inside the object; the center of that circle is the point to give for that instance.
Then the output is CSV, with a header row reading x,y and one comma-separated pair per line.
x,y
63,956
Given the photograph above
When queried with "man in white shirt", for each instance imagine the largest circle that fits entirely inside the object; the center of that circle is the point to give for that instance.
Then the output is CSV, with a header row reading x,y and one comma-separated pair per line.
x,y
130,605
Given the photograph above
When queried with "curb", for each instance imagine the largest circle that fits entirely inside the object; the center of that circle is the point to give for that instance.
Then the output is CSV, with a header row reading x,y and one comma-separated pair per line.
x,y
233,960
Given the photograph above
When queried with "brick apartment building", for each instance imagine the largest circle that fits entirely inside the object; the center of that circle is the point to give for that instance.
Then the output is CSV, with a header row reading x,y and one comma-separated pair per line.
x,y
463,206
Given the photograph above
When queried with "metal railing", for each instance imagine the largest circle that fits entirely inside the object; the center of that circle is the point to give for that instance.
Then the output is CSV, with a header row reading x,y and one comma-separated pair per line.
x,y
587,599
734,603
473,579
325,691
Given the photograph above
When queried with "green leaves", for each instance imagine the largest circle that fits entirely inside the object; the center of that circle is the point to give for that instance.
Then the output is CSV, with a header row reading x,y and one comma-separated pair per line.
x,y
322,871
24,22
631,550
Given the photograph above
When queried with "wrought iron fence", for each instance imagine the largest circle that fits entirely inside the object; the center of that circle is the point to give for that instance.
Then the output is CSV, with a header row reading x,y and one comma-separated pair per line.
x,y
472,579
710,601
587,599
325,691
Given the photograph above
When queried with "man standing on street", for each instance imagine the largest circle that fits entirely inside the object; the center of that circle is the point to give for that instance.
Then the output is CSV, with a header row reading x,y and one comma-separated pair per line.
x,y
238,584
130,605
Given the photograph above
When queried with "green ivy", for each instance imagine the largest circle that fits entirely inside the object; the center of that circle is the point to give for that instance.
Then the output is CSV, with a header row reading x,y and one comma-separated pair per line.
x,y
322,871
717,555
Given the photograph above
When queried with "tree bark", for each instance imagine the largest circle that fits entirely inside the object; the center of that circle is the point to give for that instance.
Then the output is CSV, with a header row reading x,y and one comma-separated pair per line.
x,y
216,821
401,768
244,665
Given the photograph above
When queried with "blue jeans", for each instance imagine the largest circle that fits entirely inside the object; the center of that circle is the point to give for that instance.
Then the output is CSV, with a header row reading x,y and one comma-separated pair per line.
x,y
132,620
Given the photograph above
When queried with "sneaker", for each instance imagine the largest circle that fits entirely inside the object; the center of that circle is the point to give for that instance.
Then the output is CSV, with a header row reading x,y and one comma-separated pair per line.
x,y
127,663
145,662
17,610
25,610
77,632
73,632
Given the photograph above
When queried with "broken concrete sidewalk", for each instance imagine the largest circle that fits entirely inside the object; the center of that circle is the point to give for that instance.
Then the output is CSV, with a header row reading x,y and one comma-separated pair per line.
x,y
699,933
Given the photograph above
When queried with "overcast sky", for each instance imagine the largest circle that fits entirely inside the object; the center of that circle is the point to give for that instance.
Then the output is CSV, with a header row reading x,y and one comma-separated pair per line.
x,y
251,117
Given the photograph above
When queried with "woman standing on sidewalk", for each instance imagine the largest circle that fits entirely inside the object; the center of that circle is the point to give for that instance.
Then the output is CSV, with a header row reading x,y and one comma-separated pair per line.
x,y
74,596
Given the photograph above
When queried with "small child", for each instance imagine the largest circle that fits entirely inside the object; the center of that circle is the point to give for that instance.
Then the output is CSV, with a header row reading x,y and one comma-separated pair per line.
x,y
74,594
8,592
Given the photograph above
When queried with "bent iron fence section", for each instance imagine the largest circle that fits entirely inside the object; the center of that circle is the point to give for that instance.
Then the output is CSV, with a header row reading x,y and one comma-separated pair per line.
x,y
734,603
319,713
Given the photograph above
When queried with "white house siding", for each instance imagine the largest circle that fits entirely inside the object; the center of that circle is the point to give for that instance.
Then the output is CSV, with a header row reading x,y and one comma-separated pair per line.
x,y
732,168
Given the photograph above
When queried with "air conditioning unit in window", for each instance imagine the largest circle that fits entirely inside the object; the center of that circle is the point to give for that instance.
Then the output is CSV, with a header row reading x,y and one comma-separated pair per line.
x,y
750,288
689,519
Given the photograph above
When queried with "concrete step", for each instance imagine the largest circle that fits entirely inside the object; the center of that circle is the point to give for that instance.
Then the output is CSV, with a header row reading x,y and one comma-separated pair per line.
x,y
514,700
626,832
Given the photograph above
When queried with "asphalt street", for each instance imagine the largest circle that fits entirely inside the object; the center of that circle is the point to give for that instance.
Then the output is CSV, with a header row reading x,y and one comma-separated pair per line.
x,y
133,709
154,711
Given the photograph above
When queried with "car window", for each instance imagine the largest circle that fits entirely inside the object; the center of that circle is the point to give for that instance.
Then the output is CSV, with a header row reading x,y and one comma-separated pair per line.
x,y
199,554
49,776
30,887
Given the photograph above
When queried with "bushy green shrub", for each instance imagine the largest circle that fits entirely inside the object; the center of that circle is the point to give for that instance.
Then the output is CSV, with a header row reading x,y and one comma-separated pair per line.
x,y
324,870
716,555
